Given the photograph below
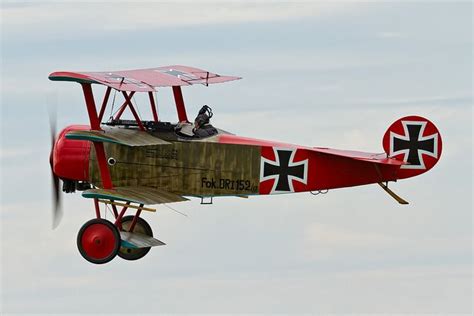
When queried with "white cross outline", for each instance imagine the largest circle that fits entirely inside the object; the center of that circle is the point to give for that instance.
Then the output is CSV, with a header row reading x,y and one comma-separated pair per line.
x,y
276,163
420,152
126,80
187,75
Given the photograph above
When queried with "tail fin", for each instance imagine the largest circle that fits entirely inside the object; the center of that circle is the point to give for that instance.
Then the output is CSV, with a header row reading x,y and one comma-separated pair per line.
x,y
416,141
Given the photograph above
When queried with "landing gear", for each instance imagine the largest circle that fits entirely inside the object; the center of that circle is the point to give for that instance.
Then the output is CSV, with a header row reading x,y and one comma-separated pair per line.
x,y
130,237
98,241
140,227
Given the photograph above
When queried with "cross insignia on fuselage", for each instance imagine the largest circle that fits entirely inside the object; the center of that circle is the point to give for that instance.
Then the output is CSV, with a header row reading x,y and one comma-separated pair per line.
x,y
284,170
413,145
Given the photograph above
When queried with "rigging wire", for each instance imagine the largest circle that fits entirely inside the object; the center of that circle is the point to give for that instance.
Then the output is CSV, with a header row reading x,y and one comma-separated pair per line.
x,y
184,214
112,108
138,110
107,208
105,211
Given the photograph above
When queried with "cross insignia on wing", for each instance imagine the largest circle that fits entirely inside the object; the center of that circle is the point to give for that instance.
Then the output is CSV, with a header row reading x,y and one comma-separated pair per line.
x,y
180,74
413,145
284,170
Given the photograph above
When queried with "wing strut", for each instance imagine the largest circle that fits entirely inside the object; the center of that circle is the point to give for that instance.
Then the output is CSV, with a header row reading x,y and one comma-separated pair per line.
x,y
95,125
178,98
153,106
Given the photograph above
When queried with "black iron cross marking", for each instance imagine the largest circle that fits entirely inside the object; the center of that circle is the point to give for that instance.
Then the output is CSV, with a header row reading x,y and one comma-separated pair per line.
x,y
284,170
414,143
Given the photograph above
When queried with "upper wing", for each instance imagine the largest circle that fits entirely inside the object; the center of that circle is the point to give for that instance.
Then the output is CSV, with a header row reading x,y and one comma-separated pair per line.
x,y
143,80
139,195
122,136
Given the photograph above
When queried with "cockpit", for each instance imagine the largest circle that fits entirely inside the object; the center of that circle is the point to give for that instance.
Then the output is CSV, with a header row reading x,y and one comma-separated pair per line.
x,y
201,128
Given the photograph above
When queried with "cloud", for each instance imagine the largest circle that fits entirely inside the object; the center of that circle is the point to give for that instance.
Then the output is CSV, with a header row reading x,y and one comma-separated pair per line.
x,y
389,35
15,152
329,241
125,16
337,236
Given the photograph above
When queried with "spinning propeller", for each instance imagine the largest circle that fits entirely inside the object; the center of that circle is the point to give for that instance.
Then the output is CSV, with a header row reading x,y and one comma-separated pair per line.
x,y
57,211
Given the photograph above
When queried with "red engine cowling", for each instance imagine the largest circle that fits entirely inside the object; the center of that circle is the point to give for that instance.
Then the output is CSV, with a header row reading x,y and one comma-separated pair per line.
x,y
70,158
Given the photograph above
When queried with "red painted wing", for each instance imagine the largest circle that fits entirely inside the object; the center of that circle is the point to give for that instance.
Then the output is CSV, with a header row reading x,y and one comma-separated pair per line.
x,y
143,80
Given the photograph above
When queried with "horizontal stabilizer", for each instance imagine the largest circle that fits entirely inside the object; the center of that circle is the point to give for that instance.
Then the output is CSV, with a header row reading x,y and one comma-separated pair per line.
x,y
121,136
362,156
139,195
137,240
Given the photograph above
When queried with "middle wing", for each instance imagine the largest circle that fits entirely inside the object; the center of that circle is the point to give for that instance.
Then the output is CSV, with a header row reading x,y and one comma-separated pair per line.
x,y
139,195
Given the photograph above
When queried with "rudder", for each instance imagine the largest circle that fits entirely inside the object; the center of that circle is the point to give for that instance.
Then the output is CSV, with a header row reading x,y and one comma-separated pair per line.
x,y
415,140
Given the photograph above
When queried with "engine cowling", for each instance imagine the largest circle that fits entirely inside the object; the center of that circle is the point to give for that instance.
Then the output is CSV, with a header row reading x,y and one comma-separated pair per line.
x,y
70,158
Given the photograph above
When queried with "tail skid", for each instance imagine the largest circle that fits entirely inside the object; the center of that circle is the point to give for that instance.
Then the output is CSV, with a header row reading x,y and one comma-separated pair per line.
x,y
392,194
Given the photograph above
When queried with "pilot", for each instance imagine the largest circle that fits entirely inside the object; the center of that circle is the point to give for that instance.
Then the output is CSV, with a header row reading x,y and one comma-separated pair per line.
x,y
202,127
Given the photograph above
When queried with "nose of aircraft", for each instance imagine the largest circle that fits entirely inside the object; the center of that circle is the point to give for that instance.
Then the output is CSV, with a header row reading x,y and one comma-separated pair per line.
x,y
70,158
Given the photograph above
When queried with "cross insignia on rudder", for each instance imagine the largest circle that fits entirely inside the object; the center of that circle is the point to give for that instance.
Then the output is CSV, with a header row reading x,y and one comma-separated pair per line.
x,y
413,145
283,170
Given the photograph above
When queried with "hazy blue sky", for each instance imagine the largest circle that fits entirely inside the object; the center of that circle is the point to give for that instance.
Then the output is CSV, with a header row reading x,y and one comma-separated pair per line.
x,y
333,74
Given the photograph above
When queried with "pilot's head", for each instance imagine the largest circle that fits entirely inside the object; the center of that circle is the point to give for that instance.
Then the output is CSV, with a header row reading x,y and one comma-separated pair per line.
x,y
204,116
201,120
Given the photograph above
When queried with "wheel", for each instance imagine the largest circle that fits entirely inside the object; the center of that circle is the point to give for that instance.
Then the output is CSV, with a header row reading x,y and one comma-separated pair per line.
x,y
98,241
141,227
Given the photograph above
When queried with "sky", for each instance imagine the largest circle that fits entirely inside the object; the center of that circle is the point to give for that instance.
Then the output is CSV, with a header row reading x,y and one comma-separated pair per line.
x,y
331,74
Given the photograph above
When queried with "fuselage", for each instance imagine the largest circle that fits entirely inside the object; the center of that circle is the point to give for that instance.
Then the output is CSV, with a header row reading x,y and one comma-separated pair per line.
x,y
219,165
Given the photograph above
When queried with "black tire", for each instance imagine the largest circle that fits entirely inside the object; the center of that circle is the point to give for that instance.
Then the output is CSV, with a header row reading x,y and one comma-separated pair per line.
x,y
141,227
98,241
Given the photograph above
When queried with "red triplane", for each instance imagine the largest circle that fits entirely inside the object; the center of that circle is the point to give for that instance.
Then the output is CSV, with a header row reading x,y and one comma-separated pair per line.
x,y
136,163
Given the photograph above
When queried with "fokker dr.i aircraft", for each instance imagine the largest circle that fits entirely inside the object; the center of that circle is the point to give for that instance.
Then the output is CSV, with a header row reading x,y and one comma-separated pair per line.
x,y
137,163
